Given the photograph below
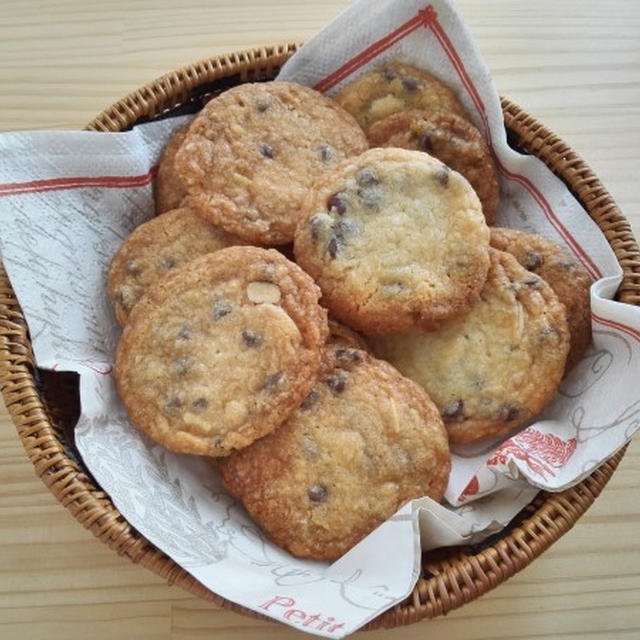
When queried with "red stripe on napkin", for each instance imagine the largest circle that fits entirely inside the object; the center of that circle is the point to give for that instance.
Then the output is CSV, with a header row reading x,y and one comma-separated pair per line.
x,y
427,18
372,51
57,184
630,331
458,65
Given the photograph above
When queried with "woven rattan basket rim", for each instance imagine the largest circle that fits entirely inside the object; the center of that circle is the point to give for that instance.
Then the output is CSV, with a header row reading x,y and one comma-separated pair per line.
x,y
449,579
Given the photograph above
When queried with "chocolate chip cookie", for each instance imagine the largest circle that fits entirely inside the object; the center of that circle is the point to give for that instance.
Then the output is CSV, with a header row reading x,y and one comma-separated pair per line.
x,y
251,154
340,334
364,442
169,191
495,368
154,249
395,87
564,274
220,351
395,239
451,139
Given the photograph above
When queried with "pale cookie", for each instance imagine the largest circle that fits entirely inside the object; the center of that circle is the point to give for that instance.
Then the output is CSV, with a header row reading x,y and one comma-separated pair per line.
x,y
564,274
451,139
395,87
394,239
169,191
364,442
219,352
252,153
495,368
154,249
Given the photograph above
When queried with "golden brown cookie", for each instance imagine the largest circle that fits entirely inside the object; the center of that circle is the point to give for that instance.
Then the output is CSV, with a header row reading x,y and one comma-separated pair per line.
x,y
495,368
340,334
169,191
395,87
564,274
220,351
154,249
364,442
394,239
451,139
251,154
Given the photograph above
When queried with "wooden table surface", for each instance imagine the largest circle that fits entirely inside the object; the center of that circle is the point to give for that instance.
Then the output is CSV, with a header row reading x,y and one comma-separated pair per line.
x,y
575,65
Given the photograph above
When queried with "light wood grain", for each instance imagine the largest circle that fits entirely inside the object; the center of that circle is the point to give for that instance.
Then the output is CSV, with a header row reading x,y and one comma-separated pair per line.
x,y
574,65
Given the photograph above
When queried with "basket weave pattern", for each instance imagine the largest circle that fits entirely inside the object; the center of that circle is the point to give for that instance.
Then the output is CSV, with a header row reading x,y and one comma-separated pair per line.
x,y
44,406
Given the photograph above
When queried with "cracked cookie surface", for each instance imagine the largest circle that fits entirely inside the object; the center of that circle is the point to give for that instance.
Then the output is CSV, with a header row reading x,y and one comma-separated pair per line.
x,y
495,368
564,274
252,152
155,248
363,442
219,352
395,87
449,138
394,239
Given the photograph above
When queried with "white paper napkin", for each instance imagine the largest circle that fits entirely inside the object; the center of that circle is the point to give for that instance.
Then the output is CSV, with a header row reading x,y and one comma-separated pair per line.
x,y
68,199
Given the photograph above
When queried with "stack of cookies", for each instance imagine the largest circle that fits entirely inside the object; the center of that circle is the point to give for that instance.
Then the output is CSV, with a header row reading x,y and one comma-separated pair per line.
x,y
291,225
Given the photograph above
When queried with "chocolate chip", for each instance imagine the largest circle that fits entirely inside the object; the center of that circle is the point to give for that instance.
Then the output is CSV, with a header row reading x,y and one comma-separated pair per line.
x,y
220,308
167,263
532,282
370,196
310,400
326,153
132,268
337,381
453,409
410,83
309,446
367,177
549,332
262,104
251,338
200,403
347,356
388,75
315,224
393,287
184,333
340,230
332,246
180,366
425,142
272,381
172,403
317,493
338,203
267,272
443,176
344,228
532,260
510,412
266,150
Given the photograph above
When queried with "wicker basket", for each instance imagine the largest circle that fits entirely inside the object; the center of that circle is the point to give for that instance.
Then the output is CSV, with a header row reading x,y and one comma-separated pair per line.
x,y
44,405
